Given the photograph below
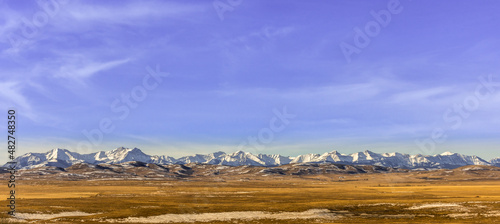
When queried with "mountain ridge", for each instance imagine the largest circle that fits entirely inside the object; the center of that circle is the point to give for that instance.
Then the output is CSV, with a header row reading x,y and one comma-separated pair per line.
x,y
64,158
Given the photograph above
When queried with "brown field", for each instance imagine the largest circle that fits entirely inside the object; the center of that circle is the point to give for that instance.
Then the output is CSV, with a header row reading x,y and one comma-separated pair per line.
x,y
444,196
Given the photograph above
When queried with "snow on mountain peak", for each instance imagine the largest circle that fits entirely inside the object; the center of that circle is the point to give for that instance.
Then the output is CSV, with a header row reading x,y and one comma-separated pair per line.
x,y
123,154
305,158
64,158
239,152
59,154
335,152
217,154
447,153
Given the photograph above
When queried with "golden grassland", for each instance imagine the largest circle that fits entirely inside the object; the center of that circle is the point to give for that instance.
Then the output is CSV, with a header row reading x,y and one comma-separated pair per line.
x,y
363,198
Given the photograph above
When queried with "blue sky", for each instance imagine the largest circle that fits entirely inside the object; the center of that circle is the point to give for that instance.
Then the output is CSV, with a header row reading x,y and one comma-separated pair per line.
x,y
227,71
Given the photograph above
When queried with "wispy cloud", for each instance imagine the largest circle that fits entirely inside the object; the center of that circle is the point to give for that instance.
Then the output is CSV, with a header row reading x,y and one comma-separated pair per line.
x,y
270,32
421,95
11,93
9,21
331,121
262,39
335,93
230,75
131,12
80,69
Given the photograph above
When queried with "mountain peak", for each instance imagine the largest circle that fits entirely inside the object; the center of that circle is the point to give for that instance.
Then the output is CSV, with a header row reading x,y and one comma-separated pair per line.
x,y
136,150
335,152
239,152
119,149
218,153
58,150
59,154
447,153
64,158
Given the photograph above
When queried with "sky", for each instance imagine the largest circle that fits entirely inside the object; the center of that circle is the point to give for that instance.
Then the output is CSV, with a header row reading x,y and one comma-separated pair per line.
x,y
290,77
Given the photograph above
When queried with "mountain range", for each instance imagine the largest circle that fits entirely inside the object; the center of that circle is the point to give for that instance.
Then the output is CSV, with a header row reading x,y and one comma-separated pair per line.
x,y
64,158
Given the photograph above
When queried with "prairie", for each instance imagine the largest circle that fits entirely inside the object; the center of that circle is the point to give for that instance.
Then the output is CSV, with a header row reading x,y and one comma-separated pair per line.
x,y
443,196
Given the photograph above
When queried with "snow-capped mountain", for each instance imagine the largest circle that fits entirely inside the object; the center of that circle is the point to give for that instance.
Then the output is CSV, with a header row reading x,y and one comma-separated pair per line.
x,y
212,158
54,157
335,157
122,154
305,158
495,162
240,158
65,158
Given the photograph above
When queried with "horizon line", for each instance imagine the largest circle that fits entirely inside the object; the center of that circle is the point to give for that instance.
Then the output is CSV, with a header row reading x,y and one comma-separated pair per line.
x,y
123,147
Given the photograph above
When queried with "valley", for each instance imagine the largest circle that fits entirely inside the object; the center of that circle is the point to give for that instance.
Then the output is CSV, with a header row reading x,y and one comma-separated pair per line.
x,y
199,193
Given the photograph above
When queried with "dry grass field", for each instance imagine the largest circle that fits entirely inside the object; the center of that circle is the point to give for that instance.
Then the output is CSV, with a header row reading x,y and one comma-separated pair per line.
x,y
444,196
